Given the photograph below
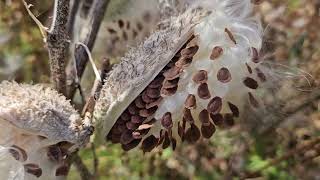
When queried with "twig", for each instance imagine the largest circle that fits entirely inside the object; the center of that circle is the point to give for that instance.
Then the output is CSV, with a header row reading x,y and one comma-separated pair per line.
x,y
82,168
95,160
58,43
96,15
72,17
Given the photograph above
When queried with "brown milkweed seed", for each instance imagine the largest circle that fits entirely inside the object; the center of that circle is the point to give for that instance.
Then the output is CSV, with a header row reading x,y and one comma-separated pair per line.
x,y
253,100
203,91
234,109
126,137
216,53
204,117
149,143
33,169
156,82
131,145
261,75
214,105
167,84
230,35
192,134
190,102
169,91
172,73
217,119
187,116
166,142
139,102
18,153
208,131
255,55
200,77
166,120
249,68
251,83
62,170
224,75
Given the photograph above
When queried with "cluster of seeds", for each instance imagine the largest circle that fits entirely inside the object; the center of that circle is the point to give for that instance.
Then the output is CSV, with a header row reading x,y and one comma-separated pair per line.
x,y
134,124
55,154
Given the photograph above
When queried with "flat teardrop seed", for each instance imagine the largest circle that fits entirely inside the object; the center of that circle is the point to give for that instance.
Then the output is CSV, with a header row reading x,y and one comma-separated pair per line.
x,y
149,143
131,145
148,112
203,91
54,153
229,33
224,75
190,102
132,126
156,83
153,93
216,53
33,169
208,131
139,102
187,116
200,77
137,119
214,105
146,98
250,83
204,117
169,91
154,104
261,75
192,134
228,118
18,153
125,116
126,137
173,143
234,109
189,52
255,55
167,84
180,131
217,119
133,109
62,170
249,68
166,120
172,73
183,62
253,100
166,142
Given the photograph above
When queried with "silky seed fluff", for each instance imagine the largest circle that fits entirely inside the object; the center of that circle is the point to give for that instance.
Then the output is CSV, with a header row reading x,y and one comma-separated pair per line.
x,y
185,79
39,127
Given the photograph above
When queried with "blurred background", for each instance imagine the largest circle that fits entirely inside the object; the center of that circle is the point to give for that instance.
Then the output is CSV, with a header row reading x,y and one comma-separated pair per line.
x,y
274,142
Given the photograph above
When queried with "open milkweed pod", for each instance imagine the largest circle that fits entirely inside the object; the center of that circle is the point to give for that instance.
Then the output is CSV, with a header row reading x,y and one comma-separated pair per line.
x,y
187,78
39,129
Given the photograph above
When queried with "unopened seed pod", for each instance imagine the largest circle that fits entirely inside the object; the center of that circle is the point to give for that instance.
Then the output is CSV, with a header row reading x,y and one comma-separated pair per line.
x,y
39,129
195,66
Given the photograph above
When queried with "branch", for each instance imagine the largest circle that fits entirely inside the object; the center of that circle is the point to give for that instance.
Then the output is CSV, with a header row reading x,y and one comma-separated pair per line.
x,y
72,17
81,167
58,43
96,15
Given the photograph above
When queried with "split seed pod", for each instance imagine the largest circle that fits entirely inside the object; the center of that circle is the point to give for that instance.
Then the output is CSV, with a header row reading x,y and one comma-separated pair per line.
x,y
39,129
174,64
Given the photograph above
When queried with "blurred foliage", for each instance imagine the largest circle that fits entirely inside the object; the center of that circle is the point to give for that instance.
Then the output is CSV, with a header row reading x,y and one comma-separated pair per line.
x,y
293,37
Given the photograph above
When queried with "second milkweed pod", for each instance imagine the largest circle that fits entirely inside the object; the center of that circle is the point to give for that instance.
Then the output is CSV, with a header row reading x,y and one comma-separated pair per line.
x,y
201,28
39,129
